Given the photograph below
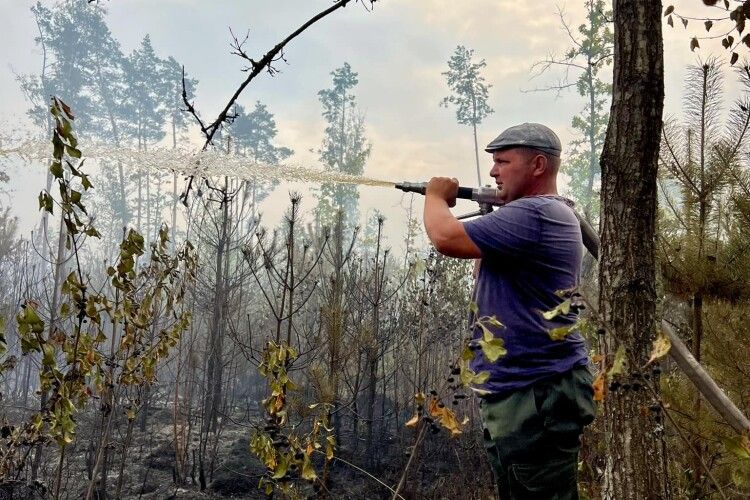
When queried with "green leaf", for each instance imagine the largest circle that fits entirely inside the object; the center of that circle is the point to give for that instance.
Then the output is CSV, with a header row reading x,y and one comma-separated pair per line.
x,y
59,147
74,152
48,358
56,169
281,467
45,202
85,182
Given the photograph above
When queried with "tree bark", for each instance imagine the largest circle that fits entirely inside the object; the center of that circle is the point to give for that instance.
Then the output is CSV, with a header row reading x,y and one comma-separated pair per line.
x,y
636,462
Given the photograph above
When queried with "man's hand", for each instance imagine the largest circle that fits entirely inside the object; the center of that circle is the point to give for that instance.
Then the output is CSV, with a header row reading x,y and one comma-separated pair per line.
x,y
444,188
446,233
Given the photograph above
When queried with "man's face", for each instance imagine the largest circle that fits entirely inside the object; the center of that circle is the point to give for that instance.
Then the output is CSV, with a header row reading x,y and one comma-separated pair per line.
x,y
513,173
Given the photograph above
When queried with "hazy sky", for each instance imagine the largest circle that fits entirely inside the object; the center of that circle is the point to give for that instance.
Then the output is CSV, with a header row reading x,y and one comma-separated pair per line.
x,y
399,51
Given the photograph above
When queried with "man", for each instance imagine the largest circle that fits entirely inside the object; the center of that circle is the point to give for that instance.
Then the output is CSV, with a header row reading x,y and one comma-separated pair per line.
x,y
538,397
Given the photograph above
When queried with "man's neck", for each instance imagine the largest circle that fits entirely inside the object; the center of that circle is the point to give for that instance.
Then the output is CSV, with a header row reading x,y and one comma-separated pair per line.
x,y
542,190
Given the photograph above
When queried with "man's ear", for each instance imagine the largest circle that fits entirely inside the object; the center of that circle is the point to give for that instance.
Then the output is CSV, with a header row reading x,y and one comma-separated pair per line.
x,y
540,166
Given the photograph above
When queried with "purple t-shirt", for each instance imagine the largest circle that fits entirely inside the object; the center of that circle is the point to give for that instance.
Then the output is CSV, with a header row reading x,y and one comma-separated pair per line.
x,y
531,248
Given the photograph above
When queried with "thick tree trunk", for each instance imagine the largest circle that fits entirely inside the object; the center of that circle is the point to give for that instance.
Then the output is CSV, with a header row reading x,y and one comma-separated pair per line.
x,y
636,465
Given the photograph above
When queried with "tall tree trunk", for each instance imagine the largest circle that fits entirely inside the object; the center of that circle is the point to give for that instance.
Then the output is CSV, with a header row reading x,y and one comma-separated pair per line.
x,y
592,142
174,185
476,145
215,345
109,105
334,325
373,351
636,462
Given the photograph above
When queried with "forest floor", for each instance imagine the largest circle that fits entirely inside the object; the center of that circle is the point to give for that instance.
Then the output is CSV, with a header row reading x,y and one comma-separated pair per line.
x,y
444,468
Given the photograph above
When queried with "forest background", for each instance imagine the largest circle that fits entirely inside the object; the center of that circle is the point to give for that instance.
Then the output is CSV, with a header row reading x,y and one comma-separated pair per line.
x,y
361,308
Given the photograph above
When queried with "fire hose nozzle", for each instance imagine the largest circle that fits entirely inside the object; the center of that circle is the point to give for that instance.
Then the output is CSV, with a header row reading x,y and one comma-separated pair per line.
x,y
482,195
412,187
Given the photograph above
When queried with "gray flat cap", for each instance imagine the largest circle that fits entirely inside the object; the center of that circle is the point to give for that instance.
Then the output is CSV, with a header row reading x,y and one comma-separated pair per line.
x,y
527,135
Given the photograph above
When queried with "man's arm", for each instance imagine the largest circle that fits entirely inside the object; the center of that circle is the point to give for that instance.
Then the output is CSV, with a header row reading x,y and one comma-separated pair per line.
x,y
446,232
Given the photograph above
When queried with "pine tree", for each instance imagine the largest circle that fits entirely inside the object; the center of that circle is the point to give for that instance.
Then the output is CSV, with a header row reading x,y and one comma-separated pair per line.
x,y
345,148
253,136
470,93
146,94
83,64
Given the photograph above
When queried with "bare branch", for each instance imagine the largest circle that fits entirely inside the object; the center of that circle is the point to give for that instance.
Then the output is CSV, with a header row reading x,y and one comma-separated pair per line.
x,y
273,55
567,29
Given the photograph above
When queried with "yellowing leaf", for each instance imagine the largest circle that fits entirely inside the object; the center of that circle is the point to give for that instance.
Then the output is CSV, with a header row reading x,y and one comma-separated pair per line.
x,y
419,398
562,308
598,386
481,377
561,332
487,335
493,321
660,348
308,472
445,416
493,349
413,421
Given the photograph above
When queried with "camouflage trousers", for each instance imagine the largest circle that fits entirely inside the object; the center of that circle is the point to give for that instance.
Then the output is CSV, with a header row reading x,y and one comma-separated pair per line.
x,y
532,436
